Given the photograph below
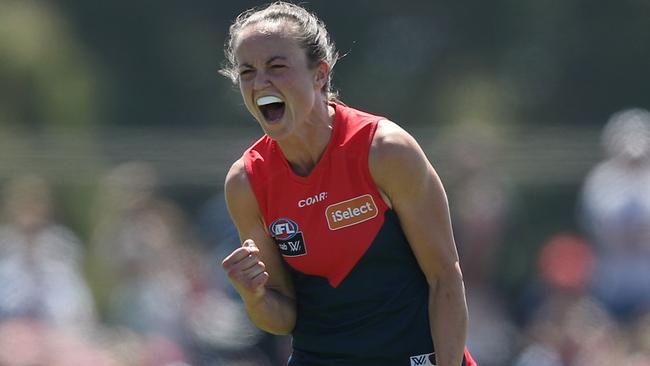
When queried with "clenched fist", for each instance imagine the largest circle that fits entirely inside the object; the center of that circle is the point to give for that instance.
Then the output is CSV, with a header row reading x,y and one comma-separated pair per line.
x,y
246,271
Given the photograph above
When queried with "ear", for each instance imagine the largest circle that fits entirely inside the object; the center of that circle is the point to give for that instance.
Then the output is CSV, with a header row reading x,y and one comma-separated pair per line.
x,y
321,74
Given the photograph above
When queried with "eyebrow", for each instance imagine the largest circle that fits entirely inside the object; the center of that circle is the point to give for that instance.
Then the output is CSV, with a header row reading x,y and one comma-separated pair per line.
x,y
270,60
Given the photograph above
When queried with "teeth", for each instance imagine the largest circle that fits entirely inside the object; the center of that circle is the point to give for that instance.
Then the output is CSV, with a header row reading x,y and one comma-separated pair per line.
x,y
268,100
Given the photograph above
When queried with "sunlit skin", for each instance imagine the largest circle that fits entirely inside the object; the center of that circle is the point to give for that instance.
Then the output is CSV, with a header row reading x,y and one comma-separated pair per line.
x,y
271,62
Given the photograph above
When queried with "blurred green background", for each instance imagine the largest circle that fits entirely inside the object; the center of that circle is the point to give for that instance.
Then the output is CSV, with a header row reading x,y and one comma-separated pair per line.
x,y
516,90
85,85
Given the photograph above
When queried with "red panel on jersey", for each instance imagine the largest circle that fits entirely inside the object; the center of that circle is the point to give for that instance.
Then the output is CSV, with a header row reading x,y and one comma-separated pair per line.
x,y
323,223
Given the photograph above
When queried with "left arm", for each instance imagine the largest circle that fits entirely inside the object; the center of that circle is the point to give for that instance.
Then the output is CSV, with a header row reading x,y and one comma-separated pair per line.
x,y
413,189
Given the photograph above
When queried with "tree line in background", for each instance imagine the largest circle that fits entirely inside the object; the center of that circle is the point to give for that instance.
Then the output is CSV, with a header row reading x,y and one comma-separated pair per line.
x,y
509,63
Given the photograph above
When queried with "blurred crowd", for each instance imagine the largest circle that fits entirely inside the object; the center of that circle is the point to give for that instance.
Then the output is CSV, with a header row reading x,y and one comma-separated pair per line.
x,y
587,301
146,288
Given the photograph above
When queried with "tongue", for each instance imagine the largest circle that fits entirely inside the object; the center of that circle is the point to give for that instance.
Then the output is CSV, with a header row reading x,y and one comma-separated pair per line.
x,y
273,111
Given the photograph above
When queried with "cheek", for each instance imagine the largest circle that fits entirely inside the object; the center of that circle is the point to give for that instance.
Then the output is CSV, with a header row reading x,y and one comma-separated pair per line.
x,y
245,92
304,88
243,88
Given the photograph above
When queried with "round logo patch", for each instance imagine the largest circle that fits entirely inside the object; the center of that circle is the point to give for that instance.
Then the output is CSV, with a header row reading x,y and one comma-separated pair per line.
x,y
283,228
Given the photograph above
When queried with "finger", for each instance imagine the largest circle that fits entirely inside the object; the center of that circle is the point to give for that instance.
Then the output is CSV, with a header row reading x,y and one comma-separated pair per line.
x,y
255,269
260,280
246,268
235,257
244,264
248,279
250,246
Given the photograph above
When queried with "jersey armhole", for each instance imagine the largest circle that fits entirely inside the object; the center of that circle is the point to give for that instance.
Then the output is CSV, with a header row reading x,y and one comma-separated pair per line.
x,y
366,165
257,189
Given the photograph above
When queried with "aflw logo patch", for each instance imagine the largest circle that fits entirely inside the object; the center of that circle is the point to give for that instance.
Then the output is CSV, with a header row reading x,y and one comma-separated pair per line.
x,y
288,238
350,212
427,359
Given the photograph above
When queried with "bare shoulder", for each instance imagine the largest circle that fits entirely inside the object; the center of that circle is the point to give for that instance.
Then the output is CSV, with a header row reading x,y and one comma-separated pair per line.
x,y
236,176
396,160
392,141
238,191
402,172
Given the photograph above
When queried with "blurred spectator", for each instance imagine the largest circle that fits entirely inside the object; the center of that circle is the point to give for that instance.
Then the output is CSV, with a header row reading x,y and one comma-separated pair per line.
x,y
566,326
159,282
480,208
640,340
480,199
237,337
219,235
31,342
570,330
493,337
615,211
40,270
143,259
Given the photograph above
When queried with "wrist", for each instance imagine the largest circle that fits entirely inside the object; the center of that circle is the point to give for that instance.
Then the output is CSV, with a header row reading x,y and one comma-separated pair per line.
x,y
254,297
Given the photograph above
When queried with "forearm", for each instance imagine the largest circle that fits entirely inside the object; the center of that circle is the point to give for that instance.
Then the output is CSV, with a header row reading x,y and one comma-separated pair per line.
x,y
448,313
272,312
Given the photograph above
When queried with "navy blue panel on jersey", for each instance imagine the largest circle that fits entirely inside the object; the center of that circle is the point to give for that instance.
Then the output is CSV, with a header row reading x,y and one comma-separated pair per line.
x,y
377,316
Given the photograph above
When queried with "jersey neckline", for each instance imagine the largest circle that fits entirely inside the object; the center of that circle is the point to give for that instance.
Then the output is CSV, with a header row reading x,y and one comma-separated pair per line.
x,y
315,172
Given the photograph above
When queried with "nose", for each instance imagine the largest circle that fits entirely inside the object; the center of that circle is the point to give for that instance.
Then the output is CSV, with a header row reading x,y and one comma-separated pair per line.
x,y
261,80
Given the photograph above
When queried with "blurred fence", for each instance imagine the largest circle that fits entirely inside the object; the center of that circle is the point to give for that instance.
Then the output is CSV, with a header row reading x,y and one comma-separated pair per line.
x,y
200,157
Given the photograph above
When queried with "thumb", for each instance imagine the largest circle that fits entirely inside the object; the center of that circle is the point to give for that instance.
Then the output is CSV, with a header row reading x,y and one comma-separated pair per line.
x,y
249,244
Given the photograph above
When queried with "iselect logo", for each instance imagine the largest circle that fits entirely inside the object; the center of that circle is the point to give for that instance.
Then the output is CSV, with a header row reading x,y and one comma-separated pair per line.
x,y
350,212
427,359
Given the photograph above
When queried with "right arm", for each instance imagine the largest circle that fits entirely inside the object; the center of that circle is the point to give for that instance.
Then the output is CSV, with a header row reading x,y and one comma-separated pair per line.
x,y
256,270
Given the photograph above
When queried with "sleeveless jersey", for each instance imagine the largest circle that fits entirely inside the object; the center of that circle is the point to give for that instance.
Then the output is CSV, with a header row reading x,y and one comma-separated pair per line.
x,y
361,297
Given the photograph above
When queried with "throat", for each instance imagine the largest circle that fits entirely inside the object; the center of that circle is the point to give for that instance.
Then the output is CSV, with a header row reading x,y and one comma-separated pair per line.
x,y
305,149
302,170
303,162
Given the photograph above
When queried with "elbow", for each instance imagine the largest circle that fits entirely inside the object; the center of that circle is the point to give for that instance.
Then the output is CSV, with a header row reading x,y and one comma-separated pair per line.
x,y
279,329
448,289
281,332
449,273
280,322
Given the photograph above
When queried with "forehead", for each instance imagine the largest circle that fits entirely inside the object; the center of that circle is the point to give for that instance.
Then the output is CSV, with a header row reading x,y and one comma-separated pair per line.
x,y
259,42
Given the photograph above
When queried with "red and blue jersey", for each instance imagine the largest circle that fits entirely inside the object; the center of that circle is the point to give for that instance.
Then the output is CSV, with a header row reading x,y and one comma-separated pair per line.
x,y
360,294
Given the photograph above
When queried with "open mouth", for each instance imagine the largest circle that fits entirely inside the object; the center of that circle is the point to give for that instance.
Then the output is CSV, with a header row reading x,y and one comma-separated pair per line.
x,y
271,107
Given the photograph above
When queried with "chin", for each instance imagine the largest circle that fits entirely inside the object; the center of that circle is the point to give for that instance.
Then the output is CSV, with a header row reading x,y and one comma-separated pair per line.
x,y
276,134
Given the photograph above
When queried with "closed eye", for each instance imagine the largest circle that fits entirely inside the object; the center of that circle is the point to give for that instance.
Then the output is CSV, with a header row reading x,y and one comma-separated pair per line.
x,y
277,66
245,74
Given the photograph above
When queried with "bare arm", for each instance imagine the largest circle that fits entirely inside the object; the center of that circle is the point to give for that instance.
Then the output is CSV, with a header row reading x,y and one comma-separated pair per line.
x,y
413,188
256,269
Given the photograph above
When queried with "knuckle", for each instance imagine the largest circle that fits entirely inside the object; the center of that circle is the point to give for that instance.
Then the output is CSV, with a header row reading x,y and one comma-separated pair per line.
x,y
233,275
226,261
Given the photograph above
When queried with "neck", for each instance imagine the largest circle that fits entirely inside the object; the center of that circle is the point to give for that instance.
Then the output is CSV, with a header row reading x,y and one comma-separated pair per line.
x,y
305,148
